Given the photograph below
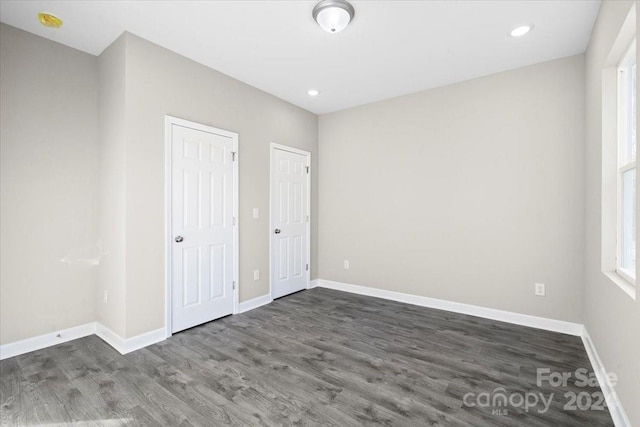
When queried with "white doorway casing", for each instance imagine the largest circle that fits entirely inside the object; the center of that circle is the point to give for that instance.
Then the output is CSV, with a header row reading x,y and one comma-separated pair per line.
x,y
201,254
289,220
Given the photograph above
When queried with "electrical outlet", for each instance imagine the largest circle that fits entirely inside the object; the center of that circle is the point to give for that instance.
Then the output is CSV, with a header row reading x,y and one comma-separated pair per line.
x,y
540,291
256,213
256,274
346,264
106,297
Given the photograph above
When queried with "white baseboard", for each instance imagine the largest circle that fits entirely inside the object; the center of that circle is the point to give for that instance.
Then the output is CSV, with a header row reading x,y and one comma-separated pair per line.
x,y
264,300
254,303
122,345
110,337
618,414
144,340
47,340
473,310
127,345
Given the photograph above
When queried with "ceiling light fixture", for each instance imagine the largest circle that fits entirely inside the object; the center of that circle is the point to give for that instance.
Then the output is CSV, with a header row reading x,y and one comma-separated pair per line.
x,y
313,92
49,20
521,30
333,16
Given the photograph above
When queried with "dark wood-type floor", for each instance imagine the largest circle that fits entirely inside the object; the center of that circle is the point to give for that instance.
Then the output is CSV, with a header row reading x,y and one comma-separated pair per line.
x,y
319,357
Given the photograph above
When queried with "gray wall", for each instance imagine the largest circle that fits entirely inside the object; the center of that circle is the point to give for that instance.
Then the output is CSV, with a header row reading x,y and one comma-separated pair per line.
x,y
48,182
160,82
111,219
610,316
470,193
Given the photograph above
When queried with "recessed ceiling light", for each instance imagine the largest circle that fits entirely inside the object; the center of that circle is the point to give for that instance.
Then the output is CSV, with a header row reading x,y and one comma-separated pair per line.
x,y
49,20
313,92
521,30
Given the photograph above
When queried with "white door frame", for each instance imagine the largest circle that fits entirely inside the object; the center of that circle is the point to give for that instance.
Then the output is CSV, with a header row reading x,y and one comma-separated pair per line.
x,y
307,154
168,238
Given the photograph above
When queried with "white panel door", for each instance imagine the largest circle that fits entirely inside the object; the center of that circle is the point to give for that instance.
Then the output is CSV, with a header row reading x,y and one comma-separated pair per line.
x,y
202,254
289,216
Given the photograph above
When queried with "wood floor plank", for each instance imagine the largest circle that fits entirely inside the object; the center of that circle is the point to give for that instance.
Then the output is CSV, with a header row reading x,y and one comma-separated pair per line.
x,y
298,379
318,357
191,390
87,373
368,372
257,381
49,387
12,393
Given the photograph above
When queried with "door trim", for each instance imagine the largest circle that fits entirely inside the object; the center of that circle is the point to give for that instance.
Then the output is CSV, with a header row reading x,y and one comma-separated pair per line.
x,y
170,121
273,146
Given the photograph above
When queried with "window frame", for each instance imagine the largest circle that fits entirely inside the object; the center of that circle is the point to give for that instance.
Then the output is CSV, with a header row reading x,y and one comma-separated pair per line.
x,y
624,131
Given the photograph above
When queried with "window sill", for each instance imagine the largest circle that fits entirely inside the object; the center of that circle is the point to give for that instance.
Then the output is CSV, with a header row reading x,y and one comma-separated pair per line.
x,y
622,283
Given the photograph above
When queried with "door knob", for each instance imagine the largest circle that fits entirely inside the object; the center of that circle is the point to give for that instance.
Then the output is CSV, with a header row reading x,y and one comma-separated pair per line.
x,y
277,231
179,239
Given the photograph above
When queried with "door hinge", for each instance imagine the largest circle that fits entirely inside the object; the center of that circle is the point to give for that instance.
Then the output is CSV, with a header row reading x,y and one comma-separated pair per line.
x,y
307,218
233,156
307,169
307,267
234,220
234,285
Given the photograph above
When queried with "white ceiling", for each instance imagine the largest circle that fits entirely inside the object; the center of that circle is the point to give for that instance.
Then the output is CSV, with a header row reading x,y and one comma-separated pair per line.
x,y
391,48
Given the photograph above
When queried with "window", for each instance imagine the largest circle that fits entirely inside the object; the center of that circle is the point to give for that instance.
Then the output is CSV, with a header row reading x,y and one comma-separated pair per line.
x,y
627,138
619,146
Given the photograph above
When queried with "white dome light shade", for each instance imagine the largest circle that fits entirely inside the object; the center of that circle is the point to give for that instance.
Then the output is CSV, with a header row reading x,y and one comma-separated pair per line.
x,y
333,19
333,16
521,30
